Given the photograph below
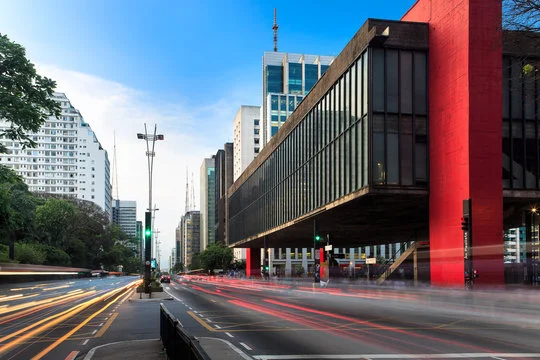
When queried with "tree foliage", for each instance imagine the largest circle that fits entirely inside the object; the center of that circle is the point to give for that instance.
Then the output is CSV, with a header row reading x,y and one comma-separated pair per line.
x,y
216,256
25,96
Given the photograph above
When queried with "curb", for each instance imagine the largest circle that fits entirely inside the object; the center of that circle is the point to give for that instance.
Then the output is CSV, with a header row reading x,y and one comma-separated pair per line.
x,y
90,353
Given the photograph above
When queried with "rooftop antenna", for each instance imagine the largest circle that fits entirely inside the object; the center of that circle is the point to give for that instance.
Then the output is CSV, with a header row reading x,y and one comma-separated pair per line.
x,y
115,171
192,193
187,191
275,27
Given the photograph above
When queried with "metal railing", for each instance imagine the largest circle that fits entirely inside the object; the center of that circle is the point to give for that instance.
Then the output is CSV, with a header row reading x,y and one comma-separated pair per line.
x,y
178,343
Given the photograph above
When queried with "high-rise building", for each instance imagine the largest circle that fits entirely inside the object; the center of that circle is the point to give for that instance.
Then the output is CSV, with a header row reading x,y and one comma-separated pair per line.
x,y
190,227
124,214
208,202
287,78
68,159
247,137
223,180
179,244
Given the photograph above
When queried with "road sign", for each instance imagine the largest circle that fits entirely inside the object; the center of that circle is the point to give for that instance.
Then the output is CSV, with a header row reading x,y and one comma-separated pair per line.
x,y
328,247
147,262
371,261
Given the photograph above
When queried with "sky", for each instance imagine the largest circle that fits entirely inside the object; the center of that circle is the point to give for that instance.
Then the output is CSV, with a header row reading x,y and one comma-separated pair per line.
x,y
183,66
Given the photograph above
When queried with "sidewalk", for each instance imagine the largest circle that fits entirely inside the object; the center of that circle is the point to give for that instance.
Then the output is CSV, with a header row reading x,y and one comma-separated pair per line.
x,y
152,349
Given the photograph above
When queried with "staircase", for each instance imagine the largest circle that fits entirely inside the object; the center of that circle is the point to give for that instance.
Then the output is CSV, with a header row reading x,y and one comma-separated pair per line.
x,y
410,251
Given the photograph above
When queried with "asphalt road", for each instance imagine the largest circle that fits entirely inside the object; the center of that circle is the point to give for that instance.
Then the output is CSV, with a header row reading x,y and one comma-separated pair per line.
x,y
54,319
285,321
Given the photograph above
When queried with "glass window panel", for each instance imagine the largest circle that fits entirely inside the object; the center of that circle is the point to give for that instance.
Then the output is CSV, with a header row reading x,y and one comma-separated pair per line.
x,y
516,89
352,97
392,80
295,78
406,150
283,103
506,87
420,83
274,79
420,162
353,153
365,83
312,74
379,169
392,150
365,160
378,79
346,98
529,98
518,148
406,89
531,161
273,102
347,165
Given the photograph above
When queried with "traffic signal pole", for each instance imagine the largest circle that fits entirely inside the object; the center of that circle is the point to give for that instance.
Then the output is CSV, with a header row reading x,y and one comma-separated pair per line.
x,y
317,257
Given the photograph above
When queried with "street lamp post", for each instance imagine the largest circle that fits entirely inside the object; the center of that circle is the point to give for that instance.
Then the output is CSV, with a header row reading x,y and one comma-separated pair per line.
x,y
149,138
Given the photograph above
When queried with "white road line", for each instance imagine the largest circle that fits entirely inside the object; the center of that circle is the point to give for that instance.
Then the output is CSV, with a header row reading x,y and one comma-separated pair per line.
x,y
237,350
244,345
208,320
106,318
174,297
100,325
94,332
217,326
400,356
195,311
229,335
201,315
85,341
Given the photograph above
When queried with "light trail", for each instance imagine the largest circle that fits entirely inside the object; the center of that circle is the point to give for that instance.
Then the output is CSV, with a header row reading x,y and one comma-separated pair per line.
x,y
42,325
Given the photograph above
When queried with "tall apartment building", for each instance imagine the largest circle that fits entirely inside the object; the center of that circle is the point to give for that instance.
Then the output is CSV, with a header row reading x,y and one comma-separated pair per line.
x,y
124,214
247,137
178,244
208,202
68,159
287,78
515,242
190,228
223,180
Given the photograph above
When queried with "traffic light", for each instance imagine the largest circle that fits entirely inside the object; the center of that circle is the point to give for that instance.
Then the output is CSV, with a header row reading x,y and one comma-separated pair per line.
x,y
475,274
317,238
465,224
147,232
266,267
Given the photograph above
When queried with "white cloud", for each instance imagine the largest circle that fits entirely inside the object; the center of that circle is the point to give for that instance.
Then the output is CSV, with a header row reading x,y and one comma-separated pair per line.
x,y
191,134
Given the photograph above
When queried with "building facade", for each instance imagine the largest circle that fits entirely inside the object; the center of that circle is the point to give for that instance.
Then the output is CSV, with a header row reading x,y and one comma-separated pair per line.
x,y
287,78
68,159
124,214
190,227
223,180
140,240
208,202
247,137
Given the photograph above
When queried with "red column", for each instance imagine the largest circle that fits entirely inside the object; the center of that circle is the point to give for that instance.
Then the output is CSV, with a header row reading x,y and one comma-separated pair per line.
x,y
253,262
465,134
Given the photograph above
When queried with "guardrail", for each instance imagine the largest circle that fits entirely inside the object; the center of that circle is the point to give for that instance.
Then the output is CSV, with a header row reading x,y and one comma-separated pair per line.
x,y
178,343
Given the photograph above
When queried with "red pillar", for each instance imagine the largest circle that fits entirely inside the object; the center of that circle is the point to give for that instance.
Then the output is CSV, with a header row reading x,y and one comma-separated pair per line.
x,y
253,262
465,134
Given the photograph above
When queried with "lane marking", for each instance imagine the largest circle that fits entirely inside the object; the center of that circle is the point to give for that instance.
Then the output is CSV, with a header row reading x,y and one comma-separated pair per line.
x,y
94,332
200,321
229,335
90,354
85,341
107,324
237,350
399,356
100,325
72,355
244,345
217,326
209,320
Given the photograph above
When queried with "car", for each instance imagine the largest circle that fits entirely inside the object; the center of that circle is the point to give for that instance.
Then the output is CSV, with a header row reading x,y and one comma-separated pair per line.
x,y
165,278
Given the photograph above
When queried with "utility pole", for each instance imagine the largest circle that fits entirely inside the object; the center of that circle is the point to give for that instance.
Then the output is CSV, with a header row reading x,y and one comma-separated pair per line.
x,y
149,138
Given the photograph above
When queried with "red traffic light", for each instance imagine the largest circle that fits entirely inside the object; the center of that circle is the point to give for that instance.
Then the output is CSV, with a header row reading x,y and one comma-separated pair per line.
x,y
465,224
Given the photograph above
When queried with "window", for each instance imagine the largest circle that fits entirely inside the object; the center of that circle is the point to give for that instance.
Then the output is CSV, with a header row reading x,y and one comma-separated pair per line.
x,y
257,150
256,131
256,141
256,122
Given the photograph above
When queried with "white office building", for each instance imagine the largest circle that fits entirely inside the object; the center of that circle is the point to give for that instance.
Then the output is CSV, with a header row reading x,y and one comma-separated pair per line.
x,y
247,138
287,78
68,159
124,214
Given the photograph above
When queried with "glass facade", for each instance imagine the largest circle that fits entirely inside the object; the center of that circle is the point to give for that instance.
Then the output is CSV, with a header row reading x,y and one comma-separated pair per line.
x,y
521,131
327,155
295,78
274,78
312,75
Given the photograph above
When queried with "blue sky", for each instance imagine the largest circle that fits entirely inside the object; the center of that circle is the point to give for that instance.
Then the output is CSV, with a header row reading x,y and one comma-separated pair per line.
x,y
185,65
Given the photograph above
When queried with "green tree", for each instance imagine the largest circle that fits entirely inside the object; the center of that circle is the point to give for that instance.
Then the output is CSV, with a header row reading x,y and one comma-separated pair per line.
x,y
30,253
55,219
178,267
17,206
216,256
25,96
195,262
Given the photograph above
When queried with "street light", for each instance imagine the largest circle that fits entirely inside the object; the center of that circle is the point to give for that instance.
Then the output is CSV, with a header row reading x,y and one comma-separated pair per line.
x,y
148,215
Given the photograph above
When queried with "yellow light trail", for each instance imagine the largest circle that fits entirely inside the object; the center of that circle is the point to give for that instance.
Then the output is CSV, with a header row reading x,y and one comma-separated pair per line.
x,y
74,330
11,297
36,303
54,320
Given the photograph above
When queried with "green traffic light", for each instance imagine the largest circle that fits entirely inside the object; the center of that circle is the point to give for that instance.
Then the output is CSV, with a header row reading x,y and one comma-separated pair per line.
x,y
317,238
148,232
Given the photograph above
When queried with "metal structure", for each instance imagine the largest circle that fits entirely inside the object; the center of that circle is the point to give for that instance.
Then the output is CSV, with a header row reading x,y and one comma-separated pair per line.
x,y
150,154
275,28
